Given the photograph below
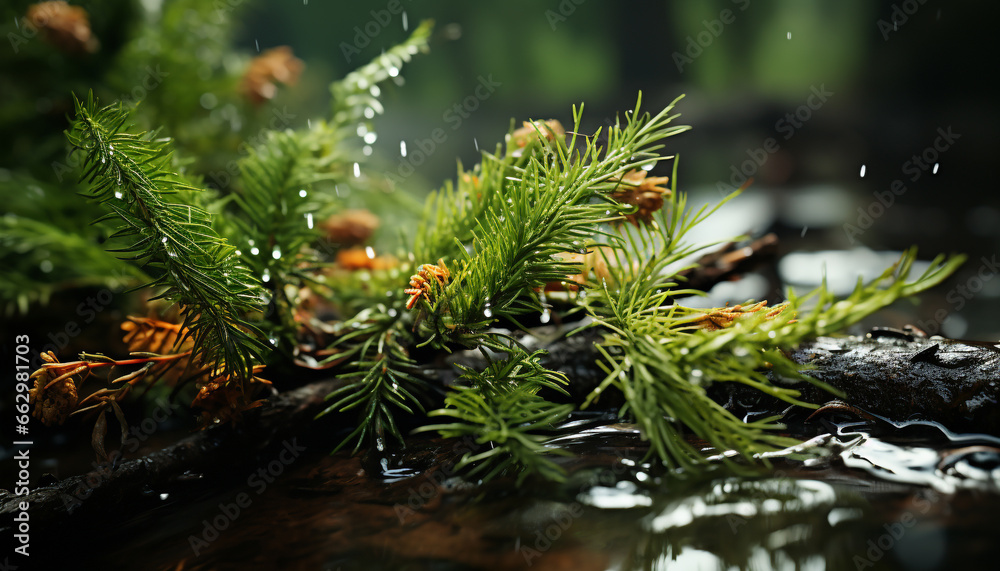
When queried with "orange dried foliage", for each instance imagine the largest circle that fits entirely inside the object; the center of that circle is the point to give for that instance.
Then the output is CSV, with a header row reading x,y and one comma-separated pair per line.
x,y
645,193
64,26
55,395
350,227
224,400
420,283
722,317
273,65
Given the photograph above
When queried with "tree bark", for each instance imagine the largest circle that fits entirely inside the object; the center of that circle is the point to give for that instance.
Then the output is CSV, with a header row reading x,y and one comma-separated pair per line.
x,y
217,449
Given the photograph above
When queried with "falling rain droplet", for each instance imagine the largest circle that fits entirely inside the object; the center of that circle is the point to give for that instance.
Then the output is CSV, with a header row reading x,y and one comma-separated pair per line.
x,y
789,35
402,148
863,171
475,141
266,276
357,170
804,230
276,253
256,43
309,220
406,22
935,169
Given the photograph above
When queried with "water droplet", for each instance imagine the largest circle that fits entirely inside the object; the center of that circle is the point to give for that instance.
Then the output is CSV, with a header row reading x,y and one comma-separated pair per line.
x,y
309,220
369,113
266,276
392,311
367,150
402,148
370,252
546,316
804,230
254,251
357,170
488,312
406,22
789,35
475,142
935,169
118,194
238,253
684,351
370,138
862,171
256,43
102,160
303,193
164,496
309,123
393,71
164,239
375,91
276,253
45,266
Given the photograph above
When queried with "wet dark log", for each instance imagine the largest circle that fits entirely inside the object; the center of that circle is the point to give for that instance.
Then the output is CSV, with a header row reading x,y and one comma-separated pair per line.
x,y
899,375
893,374
902,376
126,487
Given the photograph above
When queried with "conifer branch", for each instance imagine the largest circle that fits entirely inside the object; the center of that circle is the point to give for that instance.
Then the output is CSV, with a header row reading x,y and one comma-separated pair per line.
x,y
130,175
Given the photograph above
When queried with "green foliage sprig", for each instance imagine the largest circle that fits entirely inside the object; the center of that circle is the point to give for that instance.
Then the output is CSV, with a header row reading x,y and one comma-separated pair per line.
x,y
130,174
500,409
